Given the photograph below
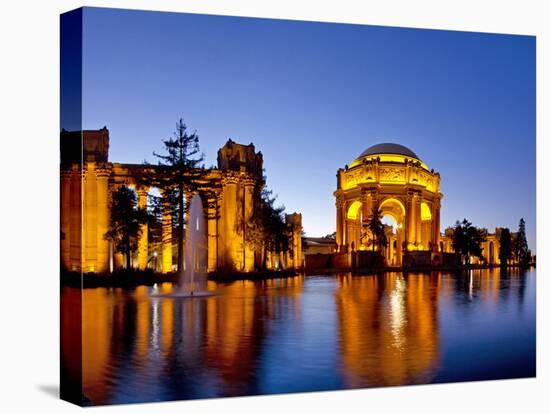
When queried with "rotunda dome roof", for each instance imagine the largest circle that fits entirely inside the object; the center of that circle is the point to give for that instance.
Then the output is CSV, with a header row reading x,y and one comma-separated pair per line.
x,y
388,148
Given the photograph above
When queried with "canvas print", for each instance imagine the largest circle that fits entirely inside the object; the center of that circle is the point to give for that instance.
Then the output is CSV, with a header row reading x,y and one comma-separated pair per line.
x,y
257,206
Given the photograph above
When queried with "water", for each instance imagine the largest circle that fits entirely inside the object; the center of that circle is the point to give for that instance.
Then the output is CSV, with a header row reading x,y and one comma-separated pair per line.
x,y
307,334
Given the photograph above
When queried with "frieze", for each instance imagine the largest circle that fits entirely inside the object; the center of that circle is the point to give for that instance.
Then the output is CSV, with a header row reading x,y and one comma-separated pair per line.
x,y
352,178
392,174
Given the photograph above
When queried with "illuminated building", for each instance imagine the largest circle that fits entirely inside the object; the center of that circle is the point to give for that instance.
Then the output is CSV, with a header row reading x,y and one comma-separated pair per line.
x,y
233,189
393,179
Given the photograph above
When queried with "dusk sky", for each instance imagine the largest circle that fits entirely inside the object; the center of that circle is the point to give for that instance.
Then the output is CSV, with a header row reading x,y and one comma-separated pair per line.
x,y
312,96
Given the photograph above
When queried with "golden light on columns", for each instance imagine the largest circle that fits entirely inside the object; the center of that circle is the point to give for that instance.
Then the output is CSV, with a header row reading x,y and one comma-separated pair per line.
x,y
143,241
166,236
88,179
392,178
248,208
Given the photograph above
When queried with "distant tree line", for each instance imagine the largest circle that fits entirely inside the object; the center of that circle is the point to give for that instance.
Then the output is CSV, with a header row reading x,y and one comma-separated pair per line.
x,y
267,230
514,248
467,243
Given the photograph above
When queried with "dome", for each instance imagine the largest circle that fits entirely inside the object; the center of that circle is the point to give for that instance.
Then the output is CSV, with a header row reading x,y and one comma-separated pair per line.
x,y
388,148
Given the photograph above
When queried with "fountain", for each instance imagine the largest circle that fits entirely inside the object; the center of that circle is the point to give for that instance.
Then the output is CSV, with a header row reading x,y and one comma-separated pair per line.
x,y
192,278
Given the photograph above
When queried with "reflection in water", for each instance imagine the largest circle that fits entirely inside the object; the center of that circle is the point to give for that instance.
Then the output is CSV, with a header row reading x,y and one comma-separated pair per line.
x,y
304,333
388,328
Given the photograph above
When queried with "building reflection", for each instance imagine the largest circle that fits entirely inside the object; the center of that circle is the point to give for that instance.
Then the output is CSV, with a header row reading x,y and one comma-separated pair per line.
x,y
179,349
388,328
71,344
136,347
237,326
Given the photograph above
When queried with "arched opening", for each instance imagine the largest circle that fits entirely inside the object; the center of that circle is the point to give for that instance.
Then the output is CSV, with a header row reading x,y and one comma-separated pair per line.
x,y
491,253
393,215
425,212
354,220
425,226
393,207
391,228
354,210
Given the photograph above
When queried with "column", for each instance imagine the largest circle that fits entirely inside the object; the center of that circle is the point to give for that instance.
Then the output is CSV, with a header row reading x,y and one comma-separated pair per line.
x,y
399,247
65,219
212,228
143,241
366,211
166,237
418,219
339,226
89,197
103,253
298,244
410,233
230,237
435,226
343,211
248,265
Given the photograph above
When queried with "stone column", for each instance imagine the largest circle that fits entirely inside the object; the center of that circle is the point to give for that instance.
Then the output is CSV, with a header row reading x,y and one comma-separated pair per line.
x,y
343,211
65,219
103,251
248,265
75,218
418,218
143,241
89,220
339,226
345,230
212,228
166,237
366,211
231,259
298,244
399,247
410,233
436,211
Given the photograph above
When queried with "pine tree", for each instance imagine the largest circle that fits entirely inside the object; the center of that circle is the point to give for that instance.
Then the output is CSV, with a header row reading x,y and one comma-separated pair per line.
x,y
180,171
521,249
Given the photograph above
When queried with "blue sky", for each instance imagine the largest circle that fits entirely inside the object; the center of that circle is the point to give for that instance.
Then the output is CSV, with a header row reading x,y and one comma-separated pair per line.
x,y
312,96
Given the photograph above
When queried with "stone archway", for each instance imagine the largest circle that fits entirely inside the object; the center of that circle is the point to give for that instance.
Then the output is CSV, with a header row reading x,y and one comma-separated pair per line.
x,y
353,223
393,207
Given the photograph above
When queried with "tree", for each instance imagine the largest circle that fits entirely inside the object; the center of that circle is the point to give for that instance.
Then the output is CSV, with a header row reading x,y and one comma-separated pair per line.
x,y
376,228
505,252
521,249
467,240
154,224
125,222
267,229
331,236
180,172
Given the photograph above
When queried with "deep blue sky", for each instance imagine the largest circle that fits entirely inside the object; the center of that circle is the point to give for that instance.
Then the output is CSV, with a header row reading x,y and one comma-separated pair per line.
x,y
313,96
